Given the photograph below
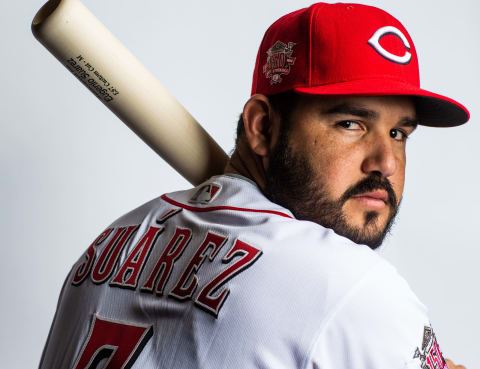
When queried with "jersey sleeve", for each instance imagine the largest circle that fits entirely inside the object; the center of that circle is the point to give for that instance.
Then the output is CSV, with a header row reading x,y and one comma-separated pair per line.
x,y
379,324
49,337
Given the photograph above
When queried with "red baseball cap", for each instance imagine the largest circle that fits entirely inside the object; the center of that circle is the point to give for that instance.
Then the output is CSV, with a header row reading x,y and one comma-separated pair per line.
x,y
347,49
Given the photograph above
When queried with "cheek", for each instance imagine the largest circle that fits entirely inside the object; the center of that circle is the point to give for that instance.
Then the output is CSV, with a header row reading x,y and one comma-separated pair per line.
x,y
336,165
398,179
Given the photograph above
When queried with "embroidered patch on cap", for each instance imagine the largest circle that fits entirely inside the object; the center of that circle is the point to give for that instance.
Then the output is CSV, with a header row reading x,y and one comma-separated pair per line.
x,y
206,194
279,60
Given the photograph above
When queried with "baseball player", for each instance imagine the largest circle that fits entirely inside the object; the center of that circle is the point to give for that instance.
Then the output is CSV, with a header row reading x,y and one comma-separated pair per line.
x,y
272,264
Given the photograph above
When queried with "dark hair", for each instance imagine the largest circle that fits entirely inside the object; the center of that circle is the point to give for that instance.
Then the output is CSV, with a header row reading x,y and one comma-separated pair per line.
x,y
283,103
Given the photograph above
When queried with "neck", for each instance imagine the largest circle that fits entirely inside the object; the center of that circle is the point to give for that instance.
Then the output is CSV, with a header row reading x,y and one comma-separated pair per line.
x,y
246,163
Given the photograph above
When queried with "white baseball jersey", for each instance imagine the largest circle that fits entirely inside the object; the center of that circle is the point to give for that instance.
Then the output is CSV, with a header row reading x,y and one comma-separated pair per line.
x,y
220,277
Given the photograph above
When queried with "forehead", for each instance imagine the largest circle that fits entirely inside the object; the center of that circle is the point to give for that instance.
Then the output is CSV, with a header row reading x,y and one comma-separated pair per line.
x,y
401,106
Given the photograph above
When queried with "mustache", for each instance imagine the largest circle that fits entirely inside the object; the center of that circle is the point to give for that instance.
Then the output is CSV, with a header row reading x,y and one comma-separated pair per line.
x,y
371,183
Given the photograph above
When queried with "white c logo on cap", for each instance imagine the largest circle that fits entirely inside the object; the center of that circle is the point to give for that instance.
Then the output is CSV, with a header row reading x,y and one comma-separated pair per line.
x,y
390,30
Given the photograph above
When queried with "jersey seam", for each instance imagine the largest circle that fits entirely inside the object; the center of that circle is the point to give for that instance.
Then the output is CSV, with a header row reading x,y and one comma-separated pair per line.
x,y
343,301
216,208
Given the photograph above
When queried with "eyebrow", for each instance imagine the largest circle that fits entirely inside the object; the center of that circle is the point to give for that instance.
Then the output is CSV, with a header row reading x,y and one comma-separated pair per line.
x,y
349,109
409,122
359,111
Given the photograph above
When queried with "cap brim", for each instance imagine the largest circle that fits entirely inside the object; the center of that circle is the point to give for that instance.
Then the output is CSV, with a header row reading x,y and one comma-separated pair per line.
x,y
432,109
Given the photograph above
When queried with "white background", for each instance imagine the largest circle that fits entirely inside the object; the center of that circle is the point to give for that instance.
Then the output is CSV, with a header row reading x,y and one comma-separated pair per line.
x,y
69,167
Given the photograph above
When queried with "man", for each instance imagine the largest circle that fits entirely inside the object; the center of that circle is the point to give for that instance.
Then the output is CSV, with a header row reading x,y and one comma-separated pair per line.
x,y
271,265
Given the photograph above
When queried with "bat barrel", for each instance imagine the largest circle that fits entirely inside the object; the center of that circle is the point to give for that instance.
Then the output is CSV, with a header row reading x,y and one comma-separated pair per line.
x,y
113,74
47,9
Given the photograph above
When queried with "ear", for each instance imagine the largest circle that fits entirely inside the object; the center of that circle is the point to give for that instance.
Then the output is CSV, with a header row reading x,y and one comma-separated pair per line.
x,y
261,124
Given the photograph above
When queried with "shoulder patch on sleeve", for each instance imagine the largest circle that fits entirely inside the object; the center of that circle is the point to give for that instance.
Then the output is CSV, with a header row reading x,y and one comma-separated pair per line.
x,y
429,353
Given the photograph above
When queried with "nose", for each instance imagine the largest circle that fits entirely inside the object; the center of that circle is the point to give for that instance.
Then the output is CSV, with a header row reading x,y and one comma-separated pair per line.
x,y
380,157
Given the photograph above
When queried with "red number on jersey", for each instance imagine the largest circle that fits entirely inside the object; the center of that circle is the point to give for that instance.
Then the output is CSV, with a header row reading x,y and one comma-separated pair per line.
x,y
116,343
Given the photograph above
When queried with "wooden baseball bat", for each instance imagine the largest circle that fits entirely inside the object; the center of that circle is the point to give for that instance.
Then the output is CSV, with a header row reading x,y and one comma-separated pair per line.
x,y
93,54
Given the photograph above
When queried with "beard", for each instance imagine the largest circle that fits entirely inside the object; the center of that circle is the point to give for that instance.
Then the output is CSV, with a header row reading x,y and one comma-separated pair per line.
x,y
291,183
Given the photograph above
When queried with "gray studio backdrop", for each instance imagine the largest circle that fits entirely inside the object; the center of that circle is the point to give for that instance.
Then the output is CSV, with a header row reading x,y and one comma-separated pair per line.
x,y
69,167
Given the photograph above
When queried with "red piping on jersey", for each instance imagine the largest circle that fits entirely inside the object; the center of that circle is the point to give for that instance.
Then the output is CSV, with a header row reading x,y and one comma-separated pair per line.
x,y
213,208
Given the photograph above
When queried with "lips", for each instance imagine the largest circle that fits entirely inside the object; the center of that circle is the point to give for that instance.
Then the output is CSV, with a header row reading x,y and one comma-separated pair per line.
x,y
374,199
378,195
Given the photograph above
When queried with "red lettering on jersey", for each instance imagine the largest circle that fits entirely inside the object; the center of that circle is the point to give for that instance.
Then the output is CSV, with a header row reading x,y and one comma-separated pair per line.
x,y
83,269
131,269
108,258
206,298
184,290
119,343
165,263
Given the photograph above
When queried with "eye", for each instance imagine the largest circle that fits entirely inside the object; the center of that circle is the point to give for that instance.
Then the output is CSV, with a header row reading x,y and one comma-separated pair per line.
x,y
398,134
351,125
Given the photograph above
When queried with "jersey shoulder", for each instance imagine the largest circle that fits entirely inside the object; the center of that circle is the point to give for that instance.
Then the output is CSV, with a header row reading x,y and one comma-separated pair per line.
x,y
141,214
380,323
